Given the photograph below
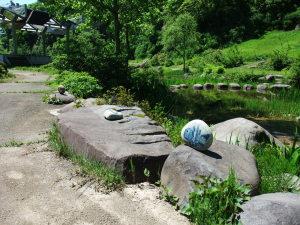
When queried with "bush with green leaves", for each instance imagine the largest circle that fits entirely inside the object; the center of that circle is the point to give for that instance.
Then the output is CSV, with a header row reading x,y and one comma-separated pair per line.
x,y
119,96
82,85
280,60
147,84
295,73
90,52
215,201
3,70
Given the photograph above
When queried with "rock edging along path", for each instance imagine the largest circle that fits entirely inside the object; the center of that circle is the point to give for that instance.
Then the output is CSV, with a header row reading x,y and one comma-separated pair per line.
x,y
130,145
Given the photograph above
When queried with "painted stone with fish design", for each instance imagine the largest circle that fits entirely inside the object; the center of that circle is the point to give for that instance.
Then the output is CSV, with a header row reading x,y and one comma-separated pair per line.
x,y
198,135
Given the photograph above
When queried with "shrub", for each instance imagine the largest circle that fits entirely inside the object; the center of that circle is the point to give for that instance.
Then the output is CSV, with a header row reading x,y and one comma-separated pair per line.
x,y
232,58
280,60
295,74
82,85
119,96
3,70
215,201
148,85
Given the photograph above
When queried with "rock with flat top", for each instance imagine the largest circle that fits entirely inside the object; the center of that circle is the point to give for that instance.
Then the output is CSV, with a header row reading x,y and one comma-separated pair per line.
x,y
112,115
184,165
272,209
130,145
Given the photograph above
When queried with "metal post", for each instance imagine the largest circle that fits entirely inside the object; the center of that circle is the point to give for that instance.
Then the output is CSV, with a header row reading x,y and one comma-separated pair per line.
x,y
44,43
14,38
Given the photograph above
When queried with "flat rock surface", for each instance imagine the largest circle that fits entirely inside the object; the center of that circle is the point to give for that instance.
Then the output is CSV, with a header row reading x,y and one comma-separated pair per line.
x,y
38,188
272,209
136,140
186,164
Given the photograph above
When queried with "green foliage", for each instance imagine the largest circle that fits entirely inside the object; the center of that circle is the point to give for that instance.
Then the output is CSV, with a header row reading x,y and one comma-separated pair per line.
x,y
180,36
81,84
147,84
295,73
275,165
109,177
279,60
51,100
119,96
215,201
166,195
3,70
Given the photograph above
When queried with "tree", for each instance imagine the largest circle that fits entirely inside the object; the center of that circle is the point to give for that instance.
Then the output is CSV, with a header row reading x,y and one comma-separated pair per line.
x,y
181,36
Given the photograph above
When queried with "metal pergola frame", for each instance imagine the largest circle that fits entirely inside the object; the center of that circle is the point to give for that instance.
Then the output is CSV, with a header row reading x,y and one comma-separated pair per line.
x,y
19,17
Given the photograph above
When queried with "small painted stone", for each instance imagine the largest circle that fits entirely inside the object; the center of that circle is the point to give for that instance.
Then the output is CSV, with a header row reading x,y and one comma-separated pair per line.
x,y
198,135
113,115
61,89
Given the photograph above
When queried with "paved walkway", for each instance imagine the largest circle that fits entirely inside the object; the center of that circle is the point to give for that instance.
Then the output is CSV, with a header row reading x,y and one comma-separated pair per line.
x,y
37,187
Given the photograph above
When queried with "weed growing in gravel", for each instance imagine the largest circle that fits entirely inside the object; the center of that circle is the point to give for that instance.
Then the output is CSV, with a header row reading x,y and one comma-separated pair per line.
x,y
109,177
12,143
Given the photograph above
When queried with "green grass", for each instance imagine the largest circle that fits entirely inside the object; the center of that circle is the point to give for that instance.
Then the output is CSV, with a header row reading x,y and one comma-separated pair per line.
x,y
265,46
274,164
109,177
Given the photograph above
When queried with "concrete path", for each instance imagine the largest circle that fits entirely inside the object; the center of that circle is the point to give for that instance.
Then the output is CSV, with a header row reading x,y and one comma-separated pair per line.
x,y
37,187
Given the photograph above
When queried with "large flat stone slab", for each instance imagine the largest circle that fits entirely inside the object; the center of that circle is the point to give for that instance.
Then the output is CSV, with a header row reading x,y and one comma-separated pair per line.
x,y
130,145
30,77
272,209
184,165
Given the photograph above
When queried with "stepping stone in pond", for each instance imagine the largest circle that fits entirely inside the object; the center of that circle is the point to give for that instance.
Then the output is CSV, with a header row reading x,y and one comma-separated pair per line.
x,y
198,87
222,86
208,86
235,87
280,87
248,87
184,86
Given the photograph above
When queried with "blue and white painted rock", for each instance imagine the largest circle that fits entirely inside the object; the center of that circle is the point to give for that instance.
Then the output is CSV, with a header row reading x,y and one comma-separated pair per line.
x,y
198,135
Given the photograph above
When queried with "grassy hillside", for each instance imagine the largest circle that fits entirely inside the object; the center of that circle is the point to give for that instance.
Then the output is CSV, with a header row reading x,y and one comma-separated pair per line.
x,y
265,46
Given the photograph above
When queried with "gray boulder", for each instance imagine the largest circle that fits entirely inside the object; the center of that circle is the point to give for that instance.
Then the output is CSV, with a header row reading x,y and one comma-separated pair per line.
x,y
243,132
198,87
61,89
208,86
186,164
280,87
272,209
262,88
184,86
112,115
222,86
65,98
272,77
130,145
248,87
234,87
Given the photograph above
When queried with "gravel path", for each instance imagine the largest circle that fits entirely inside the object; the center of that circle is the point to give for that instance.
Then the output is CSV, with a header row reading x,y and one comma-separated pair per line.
x,y
37,187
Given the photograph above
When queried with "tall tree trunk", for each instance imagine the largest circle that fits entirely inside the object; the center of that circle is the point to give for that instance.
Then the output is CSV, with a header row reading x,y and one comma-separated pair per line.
x,y
117,25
